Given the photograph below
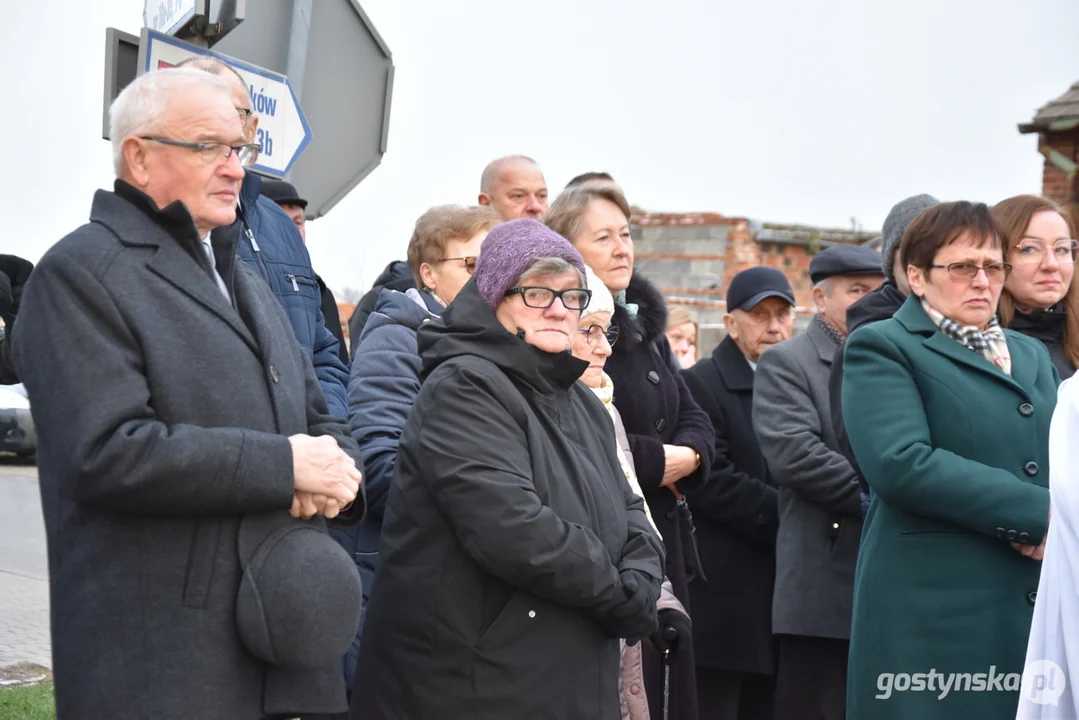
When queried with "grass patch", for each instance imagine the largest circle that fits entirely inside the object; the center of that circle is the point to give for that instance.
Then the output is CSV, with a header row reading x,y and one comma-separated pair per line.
x,y
27,702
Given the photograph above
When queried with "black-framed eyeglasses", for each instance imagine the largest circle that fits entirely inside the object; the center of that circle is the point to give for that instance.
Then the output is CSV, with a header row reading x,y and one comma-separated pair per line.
x,y
212,150
594,332
542,298
966,272
245,115
468,260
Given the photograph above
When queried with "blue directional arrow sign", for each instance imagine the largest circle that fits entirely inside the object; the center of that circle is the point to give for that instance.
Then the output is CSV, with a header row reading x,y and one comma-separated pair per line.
x,y
283,131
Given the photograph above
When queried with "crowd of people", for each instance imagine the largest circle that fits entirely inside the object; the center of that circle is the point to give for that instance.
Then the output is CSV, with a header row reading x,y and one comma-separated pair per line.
x,y
520,493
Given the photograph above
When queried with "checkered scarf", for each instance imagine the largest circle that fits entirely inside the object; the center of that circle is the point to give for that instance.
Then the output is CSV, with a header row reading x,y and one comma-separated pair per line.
x,y
989,343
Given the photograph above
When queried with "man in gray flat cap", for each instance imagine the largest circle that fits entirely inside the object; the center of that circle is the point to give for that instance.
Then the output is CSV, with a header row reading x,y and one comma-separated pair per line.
x,y
820,518
880,304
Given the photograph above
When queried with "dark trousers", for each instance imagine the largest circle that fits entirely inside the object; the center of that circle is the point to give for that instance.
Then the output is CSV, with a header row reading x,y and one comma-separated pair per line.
x,y
811,682
726,695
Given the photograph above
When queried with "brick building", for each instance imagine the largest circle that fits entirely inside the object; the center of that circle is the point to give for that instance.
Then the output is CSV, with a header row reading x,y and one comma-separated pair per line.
x,y
1057,126
692,257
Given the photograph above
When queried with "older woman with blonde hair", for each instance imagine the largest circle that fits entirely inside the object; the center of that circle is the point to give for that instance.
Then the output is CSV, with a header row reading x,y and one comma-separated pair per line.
x,y
1041,297
670,437
385,377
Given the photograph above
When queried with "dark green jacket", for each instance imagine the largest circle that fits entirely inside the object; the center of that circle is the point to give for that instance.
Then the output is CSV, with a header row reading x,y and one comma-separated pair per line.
x,y
956,454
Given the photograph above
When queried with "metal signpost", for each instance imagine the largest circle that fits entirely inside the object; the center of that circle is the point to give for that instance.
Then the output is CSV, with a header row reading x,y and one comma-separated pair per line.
x,y
342,71
325,54
171,16
283,131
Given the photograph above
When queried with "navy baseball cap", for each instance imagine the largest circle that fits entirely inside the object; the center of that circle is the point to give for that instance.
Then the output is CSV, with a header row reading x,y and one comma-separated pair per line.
x,y
754,284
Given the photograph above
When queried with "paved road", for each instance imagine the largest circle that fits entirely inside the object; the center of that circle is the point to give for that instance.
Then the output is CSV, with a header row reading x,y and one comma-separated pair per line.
x,y
24,578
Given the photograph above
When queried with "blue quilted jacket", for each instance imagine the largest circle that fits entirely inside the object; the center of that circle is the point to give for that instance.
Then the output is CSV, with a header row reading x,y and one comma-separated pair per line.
x,y
272,246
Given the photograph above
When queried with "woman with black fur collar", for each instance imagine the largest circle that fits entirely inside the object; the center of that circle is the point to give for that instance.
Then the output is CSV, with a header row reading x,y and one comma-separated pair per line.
x,y
670,436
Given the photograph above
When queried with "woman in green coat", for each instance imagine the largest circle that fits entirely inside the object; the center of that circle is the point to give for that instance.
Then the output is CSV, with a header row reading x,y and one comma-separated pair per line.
x,y
948,415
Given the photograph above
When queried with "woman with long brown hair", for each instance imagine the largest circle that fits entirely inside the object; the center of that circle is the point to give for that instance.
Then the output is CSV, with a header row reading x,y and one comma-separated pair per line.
x,y
1040,297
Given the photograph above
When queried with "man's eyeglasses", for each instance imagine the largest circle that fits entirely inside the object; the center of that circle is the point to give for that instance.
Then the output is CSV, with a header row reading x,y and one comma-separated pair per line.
x,y
469,261
593,333
1032,252
996,273
213,151
542,298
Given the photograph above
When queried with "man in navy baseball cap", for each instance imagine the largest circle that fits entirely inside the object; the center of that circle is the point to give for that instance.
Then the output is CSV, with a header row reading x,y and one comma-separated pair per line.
x,y
760,310
739,512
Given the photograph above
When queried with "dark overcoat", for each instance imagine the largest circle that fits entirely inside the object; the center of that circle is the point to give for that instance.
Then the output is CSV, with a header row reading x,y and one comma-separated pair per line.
x,y
820,520
736,514
657,409
158,438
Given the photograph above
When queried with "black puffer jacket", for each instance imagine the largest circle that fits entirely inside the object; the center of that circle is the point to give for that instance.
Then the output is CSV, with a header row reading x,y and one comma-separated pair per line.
x,y
507,526
1047,326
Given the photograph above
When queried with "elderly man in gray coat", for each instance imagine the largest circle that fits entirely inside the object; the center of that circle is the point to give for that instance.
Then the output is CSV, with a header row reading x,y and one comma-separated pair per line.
x,y
819,509
185,445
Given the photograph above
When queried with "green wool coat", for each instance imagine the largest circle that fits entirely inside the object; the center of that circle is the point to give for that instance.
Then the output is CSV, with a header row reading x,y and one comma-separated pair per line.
x,y
956,454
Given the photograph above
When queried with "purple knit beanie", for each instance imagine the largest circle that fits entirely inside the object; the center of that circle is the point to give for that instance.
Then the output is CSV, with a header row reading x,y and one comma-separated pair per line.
x,y
511,248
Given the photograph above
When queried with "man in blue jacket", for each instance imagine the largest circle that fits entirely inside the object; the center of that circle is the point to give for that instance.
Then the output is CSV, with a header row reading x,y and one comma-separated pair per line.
x,y
272,246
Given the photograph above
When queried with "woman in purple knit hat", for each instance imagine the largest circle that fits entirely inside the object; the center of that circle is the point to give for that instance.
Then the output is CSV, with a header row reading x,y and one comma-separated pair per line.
x,y
514,556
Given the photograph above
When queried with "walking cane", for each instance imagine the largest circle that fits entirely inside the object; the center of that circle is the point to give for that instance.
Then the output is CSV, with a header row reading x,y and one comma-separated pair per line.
x,y
670,635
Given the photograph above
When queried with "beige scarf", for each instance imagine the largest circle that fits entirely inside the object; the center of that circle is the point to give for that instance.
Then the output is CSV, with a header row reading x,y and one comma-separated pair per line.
x,y
605,393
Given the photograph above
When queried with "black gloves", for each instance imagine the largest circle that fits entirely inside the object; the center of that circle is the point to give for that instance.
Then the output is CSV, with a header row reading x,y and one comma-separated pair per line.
x,y
674,632
635,618
15,271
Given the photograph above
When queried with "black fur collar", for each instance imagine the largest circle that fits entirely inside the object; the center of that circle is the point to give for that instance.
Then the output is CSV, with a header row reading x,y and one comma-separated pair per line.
x,y
651,318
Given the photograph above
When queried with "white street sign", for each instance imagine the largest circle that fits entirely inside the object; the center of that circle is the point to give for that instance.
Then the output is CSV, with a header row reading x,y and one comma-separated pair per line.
x,y
283,131
168,16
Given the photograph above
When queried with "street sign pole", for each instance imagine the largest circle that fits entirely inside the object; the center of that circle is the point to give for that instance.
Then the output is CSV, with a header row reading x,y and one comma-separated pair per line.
x,y
328,51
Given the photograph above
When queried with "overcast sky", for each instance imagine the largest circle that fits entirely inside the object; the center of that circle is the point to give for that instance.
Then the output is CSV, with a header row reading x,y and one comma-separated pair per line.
x,y
782,111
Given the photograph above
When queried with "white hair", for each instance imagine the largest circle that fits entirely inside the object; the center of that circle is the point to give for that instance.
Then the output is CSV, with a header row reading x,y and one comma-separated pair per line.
x,y
140,107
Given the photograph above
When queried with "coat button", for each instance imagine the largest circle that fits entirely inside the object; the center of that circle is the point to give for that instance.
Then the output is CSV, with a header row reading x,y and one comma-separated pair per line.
x,y
1031,468
1012,534
531,613
1000,533
653,377
1032,596
273,373
1024,538
661,425
635,689
762,518
1026,409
